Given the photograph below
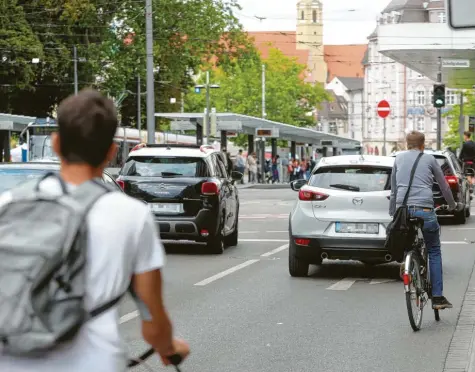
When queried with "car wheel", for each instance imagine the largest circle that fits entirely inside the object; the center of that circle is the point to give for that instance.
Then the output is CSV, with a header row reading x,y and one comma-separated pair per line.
x,y
461,217
216,243
297,267
232,240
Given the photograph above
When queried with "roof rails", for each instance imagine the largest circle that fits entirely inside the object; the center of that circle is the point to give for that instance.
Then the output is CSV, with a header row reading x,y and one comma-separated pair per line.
x,y
170,146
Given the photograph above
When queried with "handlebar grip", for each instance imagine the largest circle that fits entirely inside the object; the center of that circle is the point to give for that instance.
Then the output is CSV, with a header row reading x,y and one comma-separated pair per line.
x,y
175,359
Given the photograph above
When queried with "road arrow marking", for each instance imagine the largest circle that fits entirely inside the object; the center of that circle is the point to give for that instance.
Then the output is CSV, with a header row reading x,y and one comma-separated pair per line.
x,y
381,281
343,285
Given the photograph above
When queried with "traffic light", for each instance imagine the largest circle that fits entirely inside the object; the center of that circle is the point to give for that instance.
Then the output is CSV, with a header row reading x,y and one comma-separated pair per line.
x,y
439,95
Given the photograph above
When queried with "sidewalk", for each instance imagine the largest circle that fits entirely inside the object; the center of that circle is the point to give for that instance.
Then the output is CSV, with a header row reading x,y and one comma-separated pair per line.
x,y
461,354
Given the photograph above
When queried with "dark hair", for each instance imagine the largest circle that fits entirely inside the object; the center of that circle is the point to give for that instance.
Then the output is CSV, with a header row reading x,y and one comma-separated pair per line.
x,y
467,134
415,140
87,124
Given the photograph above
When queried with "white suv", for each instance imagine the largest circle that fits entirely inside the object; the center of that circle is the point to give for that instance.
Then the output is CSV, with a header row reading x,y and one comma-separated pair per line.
x,y
341,213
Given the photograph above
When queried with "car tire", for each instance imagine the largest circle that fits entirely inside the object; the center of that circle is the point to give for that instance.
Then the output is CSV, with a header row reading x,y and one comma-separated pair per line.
x,y
232,239
216,243
298,268
460,217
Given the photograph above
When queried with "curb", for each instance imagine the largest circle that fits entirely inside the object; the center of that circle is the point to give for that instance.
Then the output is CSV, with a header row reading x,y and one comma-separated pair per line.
x,y
461,353
257,186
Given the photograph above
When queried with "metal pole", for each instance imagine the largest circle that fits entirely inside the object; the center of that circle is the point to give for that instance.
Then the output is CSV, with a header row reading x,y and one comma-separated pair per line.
x,y
439,110
182,102
150,77
75,53
461,119
384,137
263,91
139,109
208,109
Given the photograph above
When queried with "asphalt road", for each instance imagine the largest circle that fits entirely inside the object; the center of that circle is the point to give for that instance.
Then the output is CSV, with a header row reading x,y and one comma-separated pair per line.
x,y
243,312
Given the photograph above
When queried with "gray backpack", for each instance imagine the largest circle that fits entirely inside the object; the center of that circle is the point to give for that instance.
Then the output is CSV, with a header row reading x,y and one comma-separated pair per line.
x,y
43,247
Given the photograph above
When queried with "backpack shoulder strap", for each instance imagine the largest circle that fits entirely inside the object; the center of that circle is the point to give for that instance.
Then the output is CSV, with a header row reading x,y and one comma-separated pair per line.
x,y
413,172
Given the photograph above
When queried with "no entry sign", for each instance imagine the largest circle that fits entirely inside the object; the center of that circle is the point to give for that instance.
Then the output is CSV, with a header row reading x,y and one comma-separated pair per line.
x,y
384,109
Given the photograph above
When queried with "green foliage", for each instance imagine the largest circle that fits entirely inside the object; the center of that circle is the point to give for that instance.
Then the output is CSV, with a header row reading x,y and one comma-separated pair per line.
x,y
288,97
452,137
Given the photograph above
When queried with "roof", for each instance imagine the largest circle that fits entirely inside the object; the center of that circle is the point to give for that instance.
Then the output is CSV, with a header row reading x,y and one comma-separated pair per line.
x,y
14,122
396,5
345,60
336,109
248,125
182,151
370,160
352,83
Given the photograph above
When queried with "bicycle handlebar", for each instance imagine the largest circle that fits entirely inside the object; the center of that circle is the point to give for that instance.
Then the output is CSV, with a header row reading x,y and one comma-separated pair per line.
x,y
442,208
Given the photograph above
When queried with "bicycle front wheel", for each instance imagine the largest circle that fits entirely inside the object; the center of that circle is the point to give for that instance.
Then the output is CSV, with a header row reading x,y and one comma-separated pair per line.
x,y
414,291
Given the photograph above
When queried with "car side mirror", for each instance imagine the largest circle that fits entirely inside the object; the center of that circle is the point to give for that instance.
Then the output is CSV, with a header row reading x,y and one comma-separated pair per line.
x,y
298,184
236,176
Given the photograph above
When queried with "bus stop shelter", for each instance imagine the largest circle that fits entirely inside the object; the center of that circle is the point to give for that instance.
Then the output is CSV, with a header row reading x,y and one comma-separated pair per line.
x,y
230,124
8,124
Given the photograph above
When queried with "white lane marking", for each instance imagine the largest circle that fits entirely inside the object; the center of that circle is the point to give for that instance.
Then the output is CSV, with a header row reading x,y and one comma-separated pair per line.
x,y
263,240
463,228
125,318
250,202
457,242
275,251
342,285
381,281
278,232
226,272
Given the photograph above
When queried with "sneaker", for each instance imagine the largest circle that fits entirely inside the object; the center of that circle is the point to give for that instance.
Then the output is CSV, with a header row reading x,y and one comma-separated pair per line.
x,y
440,303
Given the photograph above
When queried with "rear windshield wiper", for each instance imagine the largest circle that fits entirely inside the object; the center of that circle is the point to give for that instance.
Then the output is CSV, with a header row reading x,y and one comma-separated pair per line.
x,y
171,174
345,187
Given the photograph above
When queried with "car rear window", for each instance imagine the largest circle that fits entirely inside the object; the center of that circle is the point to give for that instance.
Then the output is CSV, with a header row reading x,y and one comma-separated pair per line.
x,y
445,165
10,178
152,166
352,178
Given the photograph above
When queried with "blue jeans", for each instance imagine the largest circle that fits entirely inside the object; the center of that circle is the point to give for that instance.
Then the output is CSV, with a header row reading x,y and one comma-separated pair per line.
x,y
431,232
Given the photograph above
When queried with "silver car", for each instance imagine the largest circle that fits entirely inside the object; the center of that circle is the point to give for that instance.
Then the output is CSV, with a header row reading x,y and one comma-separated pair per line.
x,y
341,212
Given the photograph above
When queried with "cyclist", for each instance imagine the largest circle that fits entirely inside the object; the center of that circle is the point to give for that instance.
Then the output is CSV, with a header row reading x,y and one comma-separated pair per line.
x,y
467,155
421,204
123,245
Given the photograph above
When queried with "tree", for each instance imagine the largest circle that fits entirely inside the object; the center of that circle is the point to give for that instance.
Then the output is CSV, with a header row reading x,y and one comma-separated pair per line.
x,y
452,137
288,98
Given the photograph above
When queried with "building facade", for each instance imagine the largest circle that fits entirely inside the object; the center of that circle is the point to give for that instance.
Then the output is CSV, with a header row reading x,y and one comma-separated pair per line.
x,y
409,92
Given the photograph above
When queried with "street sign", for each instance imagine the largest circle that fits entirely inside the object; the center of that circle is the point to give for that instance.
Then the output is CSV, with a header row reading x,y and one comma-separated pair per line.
x,y
456,63
471,124
384,109
267,132
231,134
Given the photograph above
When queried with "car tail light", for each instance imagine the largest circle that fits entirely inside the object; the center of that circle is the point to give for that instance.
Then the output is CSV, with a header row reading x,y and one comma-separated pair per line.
x,y
307,195
406,278
300,241
121,184
209,188
452,181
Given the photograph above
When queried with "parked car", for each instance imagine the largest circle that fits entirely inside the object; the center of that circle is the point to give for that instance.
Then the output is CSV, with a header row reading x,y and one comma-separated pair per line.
x,y
457,181
341,213
189,192
14,174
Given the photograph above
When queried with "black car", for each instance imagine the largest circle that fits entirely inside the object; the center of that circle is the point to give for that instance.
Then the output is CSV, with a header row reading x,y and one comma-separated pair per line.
x,y
457,181
14,174
188,190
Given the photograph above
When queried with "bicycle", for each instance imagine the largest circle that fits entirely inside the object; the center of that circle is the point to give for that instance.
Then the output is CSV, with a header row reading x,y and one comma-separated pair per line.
x,y
416,276
175,360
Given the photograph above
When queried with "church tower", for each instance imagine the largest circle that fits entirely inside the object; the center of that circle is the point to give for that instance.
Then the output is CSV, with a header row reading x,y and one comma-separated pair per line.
x,y
310,37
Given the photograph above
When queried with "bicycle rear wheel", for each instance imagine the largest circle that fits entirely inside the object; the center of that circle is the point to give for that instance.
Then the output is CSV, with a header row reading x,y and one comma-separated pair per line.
x,y
414,291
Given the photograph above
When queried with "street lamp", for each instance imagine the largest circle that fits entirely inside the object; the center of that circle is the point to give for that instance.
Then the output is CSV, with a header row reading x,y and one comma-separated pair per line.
x,y
208,87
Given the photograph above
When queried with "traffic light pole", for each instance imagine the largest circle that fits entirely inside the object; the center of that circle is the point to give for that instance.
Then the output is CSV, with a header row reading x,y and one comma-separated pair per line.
x,y
439,110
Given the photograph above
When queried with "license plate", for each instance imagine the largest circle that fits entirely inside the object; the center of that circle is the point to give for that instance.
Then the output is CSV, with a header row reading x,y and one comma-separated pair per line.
x,y
166,208
356,228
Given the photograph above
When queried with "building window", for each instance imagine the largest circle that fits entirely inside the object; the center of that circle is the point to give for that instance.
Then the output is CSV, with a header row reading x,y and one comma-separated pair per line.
x,y
451,97
421,97
442,17
421,124
302,15
314,16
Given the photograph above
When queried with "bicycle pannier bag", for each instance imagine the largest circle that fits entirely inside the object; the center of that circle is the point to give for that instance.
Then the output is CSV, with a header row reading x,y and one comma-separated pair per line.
x,y
43,248
398,232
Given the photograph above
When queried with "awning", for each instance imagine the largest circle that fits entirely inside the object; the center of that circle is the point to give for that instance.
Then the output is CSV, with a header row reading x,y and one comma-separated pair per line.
x,y
15,123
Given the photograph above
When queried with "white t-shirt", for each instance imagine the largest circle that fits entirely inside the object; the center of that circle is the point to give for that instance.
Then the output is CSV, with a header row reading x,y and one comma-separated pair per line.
x,y
123,240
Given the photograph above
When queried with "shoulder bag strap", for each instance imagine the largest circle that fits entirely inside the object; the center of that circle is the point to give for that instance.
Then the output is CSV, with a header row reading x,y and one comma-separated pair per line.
x,y
413,171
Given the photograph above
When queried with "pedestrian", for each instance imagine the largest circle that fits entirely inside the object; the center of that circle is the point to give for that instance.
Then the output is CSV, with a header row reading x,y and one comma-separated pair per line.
x,y
285,170
420,202
240,164
252,164
123,251
275,169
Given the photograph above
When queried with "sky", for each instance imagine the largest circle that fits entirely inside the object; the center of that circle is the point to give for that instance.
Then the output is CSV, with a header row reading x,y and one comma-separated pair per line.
x,y
345,21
